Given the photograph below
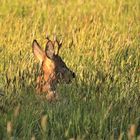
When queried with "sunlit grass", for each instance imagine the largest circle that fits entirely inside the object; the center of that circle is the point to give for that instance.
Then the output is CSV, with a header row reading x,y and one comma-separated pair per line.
x,y
101,43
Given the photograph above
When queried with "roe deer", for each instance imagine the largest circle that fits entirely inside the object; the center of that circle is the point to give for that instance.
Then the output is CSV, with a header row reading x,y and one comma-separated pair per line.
x,y
53,68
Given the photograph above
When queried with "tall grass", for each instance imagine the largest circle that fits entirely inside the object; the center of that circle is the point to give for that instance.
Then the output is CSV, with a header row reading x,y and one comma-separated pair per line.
x,y
101,43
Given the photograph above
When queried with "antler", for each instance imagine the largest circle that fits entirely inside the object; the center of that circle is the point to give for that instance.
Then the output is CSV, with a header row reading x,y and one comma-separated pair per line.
x,y
55,40
59,44
47,36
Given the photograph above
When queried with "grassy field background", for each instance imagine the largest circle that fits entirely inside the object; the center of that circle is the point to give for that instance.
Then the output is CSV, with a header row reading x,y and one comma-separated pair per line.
x,y
101,44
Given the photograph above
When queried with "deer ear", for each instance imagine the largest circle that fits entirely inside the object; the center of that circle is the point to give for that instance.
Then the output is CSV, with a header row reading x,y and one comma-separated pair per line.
x,y
49,50
37,51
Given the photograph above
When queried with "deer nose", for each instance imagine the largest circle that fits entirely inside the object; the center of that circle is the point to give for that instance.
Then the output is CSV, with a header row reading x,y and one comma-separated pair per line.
x,y
73,75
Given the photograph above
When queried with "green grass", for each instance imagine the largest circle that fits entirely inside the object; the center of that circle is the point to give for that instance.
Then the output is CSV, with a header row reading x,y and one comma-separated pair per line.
x,y
101,44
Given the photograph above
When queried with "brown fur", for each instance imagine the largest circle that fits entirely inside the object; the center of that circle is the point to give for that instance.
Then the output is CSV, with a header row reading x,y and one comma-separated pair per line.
x,y
53,69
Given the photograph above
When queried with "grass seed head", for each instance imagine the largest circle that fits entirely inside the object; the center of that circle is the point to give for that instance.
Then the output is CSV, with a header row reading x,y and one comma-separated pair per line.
x,y
9,128
33,137
44,121
17,111
132,132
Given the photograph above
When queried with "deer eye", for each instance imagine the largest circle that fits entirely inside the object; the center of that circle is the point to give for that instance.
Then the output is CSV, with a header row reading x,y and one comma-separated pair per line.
x,y
64,69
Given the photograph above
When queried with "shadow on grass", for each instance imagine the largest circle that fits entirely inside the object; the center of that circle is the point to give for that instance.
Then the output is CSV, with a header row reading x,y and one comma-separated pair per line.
x,y
92,107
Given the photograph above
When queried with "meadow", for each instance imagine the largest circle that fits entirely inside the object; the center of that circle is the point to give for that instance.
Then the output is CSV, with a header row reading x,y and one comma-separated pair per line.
x,y
101,44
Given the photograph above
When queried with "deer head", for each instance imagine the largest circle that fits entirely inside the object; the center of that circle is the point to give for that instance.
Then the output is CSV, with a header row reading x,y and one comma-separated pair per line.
x,y
53,68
